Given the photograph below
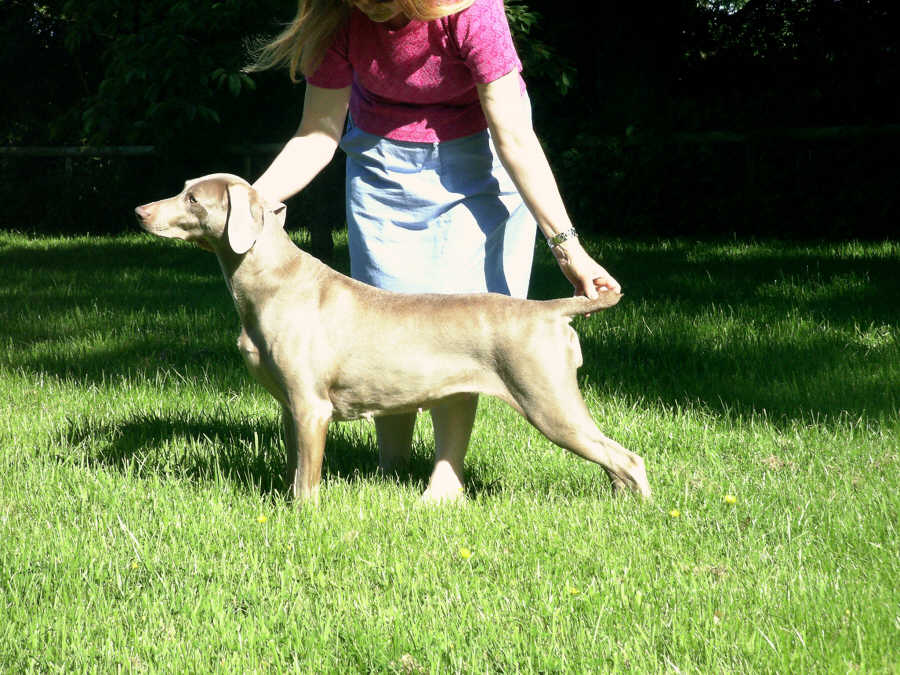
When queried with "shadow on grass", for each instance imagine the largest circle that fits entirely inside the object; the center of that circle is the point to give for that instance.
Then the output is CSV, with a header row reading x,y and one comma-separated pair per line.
x,y
85,309
787,330
250,455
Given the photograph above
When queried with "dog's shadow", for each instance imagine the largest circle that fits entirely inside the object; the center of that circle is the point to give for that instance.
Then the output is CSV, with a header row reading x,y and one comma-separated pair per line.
x,y
247,453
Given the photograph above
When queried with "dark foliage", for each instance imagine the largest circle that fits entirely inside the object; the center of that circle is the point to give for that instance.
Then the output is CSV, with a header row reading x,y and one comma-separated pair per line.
x,y
613,95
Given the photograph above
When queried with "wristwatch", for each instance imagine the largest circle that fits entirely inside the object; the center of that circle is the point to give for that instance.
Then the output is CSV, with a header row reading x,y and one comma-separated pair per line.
x,y
557,239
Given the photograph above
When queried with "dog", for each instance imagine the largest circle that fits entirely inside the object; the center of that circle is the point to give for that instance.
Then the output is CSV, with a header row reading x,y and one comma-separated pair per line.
x,y
330,348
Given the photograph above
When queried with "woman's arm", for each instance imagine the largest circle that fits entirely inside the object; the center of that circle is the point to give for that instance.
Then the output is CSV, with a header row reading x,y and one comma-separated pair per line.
x,y
524,159
311,148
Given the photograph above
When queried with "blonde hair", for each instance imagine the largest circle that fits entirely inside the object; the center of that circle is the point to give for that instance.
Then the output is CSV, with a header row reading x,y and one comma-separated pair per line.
x,y
301,46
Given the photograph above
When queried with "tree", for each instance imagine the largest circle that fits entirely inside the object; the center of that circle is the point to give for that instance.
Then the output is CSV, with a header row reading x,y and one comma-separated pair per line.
x,y
604,88
39,86
167,73
161,72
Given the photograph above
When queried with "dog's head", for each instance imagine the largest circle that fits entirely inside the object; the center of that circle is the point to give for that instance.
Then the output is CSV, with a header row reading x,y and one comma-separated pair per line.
x,y
215,211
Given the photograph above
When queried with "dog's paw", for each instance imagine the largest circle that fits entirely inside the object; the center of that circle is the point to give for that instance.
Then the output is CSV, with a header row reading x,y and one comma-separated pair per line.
x,y
621,488
631,480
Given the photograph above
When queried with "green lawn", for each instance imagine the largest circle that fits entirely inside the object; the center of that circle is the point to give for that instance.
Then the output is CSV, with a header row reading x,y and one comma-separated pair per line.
x,y
143,525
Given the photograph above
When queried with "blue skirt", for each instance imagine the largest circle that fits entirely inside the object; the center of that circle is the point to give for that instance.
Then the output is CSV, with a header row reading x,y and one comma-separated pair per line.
x,y
435,217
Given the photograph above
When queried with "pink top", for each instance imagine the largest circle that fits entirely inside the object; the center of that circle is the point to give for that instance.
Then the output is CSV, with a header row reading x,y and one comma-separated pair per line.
x,y
417,83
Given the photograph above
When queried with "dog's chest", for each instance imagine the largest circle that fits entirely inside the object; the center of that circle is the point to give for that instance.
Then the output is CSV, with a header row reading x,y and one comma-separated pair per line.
x,y
254,361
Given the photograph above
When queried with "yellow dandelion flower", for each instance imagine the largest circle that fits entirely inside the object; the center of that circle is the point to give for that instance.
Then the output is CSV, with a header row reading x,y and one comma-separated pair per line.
x,y
134,564
674,513
730,499
572,590
261,518
464,553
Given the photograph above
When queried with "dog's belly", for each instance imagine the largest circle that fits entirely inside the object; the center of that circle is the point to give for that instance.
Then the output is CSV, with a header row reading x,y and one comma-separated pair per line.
x,y
345,413
373,398
352,407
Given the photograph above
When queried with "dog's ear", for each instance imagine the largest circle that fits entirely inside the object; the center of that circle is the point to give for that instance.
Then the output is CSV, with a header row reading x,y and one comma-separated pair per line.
x,y
245,218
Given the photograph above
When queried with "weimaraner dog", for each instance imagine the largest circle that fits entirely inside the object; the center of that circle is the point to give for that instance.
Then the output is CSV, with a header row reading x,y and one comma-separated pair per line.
x,y
328,347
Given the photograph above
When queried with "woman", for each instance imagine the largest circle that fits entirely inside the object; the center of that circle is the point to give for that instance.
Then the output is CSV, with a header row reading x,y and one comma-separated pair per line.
x,y
445,176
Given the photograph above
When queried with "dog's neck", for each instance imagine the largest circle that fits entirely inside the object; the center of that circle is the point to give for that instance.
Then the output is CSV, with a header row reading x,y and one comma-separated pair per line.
x,y
272,251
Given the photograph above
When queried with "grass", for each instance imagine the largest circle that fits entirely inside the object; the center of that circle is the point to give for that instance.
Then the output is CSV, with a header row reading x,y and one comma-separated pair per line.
x,y
143,525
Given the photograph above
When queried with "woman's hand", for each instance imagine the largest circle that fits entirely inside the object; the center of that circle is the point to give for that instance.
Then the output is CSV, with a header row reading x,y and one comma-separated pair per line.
x,y
582,271
521,153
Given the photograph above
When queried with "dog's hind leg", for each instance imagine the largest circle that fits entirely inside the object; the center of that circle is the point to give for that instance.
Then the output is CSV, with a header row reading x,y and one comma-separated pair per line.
x,y
554,405
574,429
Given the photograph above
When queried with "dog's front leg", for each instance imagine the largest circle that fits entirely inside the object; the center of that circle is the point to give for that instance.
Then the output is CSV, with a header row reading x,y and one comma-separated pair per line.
x,y
304,442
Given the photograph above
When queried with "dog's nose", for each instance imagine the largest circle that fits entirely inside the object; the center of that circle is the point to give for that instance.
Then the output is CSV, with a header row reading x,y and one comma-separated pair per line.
x,y
142,213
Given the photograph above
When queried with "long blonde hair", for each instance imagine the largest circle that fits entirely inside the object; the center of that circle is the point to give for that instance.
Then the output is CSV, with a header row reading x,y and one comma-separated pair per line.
x,y
303,43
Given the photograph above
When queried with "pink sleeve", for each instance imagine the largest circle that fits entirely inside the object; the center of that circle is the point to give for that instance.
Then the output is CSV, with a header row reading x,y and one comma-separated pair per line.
x,y
485,42
335,71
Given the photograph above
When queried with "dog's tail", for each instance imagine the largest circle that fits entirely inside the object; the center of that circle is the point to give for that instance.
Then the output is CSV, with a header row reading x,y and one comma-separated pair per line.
x,y
582,305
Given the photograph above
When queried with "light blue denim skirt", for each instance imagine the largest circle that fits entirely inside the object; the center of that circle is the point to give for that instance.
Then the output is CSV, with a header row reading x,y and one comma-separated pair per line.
x,y
435,217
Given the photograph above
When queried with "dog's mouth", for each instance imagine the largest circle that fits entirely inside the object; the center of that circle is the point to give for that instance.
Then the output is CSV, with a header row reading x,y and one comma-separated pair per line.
x,y
146,217
143,214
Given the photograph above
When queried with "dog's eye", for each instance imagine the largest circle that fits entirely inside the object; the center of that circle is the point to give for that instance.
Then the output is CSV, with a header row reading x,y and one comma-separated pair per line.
x,y
191,198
